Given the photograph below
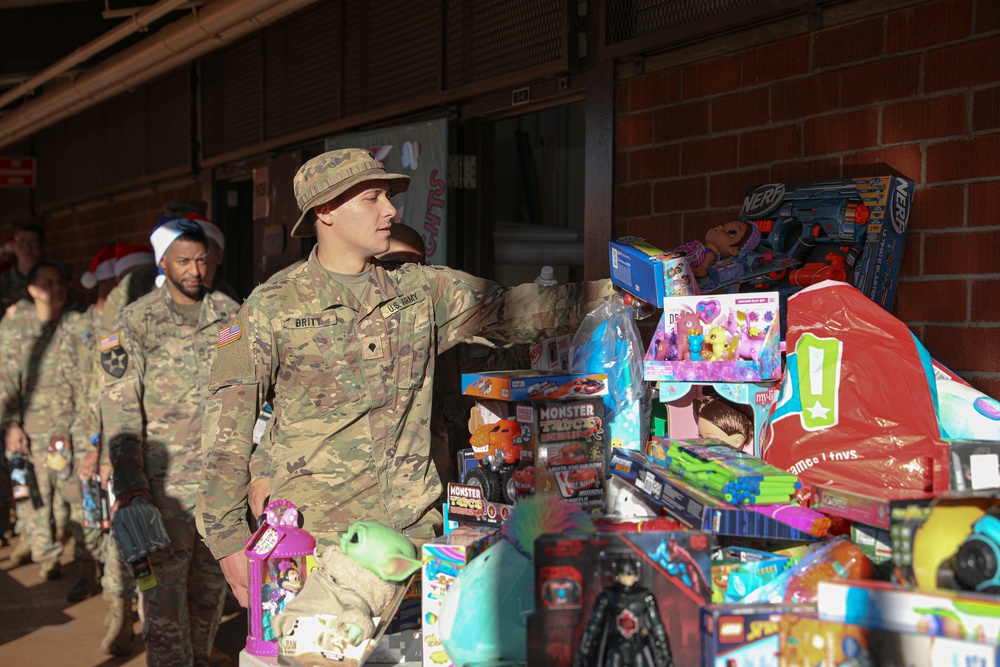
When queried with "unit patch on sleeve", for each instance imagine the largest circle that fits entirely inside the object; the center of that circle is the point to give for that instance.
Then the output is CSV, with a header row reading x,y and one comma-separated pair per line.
x,y
114,359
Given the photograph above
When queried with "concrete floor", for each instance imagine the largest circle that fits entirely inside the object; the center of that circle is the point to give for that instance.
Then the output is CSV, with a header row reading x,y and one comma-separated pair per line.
x,y
39,627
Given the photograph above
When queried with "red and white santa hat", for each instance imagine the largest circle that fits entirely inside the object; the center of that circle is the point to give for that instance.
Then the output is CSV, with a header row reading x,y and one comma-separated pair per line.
x,y
102,267
128,256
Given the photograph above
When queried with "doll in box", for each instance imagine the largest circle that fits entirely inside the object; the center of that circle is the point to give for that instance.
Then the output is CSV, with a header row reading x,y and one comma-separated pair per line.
x,y
721,242
719,420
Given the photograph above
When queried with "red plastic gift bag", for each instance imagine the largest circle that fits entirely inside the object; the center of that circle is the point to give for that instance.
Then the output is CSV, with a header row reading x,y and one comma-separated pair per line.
x,y
857,404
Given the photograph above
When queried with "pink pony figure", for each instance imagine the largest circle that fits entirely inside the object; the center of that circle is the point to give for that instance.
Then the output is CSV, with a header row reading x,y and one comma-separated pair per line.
x,y
686,320
750,339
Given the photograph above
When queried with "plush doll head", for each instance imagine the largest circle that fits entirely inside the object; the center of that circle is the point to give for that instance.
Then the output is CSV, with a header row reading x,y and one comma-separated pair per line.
x,y
381,550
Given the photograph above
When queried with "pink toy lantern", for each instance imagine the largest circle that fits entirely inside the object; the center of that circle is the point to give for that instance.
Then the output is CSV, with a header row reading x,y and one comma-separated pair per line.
x,y
276,556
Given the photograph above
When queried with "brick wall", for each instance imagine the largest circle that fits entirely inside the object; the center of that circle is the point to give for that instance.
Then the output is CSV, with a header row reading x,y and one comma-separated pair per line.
x,y
75,235
913,90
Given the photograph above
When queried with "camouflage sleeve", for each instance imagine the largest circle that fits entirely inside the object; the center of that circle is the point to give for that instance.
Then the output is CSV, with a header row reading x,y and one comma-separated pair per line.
x,y
242,376
260,459
122,364
466,305
61,403
10,375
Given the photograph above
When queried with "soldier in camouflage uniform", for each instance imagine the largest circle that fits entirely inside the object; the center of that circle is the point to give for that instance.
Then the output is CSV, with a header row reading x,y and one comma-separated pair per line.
x,y
37,404
156,369
28,250
344,349
76,365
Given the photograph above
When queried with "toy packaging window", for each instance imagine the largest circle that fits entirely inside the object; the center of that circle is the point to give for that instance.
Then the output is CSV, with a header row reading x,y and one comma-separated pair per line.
x,y
626,597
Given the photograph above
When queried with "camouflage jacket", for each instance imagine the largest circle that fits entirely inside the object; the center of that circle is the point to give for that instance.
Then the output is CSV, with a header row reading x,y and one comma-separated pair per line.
x,y
77,368
131,287
32,391
155,371
350,384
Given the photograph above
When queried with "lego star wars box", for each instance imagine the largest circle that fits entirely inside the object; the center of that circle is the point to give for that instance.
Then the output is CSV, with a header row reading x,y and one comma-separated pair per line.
x,y
850,229
619,599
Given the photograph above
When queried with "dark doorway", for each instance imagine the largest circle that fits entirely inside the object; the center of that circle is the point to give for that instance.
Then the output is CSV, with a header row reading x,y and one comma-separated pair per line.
x,y
234,213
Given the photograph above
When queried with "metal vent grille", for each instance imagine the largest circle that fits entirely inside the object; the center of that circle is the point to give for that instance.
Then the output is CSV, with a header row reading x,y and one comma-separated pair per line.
x,y
628,19
124,125
302,70
488,39
391,52
232,97
168,122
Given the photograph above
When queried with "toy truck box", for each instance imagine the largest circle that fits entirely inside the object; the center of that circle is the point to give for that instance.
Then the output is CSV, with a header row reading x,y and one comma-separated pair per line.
x,y
548,446
722,338
442,559
599,596
850,229
753,399
530,385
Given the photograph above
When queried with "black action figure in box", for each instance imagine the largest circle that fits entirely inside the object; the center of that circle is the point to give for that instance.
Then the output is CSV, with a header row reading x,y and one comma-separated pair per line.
x,y
624,627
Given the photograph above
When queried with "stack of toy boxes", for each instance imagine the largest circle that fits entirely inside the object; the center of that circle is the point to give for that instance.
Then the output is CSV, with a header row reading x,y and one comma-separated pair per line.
x,y
849,229
443,558
532,431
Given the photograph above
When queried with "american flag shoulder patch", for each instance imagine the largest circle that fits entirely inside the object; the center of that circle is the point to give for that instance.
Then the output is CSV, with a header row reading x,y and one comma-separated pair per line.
x,y
229,334
109,342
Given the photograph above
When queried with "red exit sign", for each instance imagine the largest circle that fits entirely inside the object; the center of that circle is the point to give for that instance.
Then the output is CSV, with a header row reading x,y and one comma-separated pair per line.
x,y
17,172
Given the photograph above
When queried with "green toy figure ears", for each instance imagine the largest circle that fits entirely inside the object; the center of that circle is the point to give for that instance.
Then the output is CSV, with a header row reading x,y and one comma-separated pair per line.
x,y
380,549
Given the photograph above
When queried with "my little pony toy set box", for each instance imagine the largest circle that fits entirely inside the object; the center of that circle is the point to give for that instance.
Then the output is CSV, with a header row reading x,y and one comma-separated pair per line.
x,y
619,598
721,338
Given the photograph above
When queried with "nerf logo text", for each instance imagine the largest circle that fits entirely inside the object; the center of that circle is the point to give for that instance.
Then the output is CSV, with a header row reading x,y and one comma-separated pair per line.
x,y
763,200
900,211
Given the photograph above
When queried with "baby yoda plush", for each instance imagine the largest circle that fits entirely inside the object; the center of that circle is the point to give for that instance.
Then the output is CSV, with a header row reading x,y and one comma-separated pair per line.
x,y
352,583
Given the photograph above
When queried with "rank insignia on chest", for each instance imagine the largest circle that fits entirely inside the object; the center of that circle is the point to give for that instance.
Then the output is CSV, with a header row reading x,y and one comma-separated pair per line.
x,y
371,347
114,361
229,334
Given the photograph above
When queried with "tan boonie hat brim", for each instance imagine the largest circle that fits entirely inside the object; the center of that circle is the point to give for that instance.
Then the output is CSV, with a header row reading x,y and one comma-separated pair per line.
x,y
331,174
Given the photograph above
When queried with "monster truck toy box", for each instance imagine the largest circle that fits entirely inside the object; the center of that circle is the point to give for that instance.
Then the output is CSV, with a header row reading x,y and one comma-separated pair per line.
x,y
529,431
572,570
849,229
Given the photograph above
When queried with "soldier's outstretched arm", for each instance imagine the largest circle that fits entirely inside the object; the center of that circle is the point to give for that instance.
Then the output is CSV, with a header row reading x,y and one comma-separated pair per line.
x,y
242,377
122,366
466,306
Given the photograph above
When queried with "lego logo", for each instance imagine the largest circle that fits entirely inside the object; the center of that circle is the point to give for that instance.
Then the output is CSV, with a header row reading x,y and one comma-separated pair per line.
x,y
763,200
730,629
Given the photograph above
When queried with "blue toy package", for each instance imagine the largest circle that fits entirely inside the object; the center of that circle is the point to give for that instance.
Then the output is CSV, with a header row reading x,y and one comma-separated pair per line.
x,y
608,342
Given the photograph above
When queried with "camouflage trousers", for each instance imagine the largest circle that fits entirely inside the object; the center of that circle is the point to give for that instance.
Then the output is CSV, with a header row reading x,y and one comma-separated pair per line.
x,y
88,541
181,614
46,515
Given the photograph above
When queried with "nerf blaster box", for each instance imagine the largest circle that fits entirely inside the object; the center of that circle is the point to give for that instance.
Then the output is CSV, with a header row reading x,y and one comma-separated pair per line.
x,y
697,508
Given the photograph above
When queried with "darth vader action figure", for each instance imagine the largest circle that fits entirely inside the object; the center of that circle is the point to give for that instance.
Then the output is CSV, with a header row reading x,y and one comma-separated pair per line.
x,y
624,629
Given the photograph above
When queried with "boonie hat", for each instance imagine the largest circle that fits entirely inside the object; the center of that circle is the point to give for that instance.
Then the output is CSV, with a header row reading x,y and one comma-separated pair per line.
x,y
329,175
